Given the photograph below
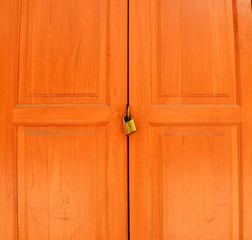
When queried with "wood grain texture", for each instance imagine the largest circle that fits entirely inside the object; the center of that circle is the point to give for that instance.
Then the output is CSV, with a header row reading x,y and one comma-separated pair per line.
x,y
139,98
192,51
245,55
195,194
63,190
64,51
84,53
194,114
61,114
71,57
117,98
185,97
8,77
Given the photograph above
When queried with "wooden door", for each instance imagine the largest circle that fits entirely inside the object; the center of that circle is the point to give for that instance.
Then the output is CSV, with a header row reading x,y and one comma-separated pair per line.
x,y
63,91
190,90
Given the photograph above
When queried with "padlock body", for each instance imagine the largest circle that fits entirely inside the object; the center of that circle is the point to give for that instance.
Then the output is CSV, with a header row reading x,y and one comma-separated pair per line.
x,y
129,127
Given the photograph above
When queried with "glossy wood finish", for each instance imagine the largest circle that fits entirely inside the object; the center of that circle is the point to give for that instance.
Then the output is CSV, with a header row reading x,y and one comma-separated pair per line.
x,y
63,51
63,189
61,114
8,75
194,114
192,45
64,90
190,91
195,179
245,42
190,161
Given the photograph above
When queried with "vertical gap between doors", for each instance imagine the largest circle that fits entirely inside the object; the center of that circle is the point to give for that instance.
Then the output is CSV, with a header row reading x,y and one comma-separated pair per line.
x,y
128,102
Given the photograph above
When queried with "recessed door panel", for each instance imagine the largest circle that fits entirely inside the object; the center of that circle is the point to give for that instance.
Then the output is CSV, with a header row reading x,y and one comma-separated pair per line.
x,y
195,183
63,51
62,182
193,51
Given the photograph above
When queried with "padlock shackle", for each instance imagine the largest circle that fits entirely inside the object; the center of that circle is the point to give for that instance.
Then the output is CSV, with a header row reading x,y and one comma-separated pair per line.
x,y
128,112
124,116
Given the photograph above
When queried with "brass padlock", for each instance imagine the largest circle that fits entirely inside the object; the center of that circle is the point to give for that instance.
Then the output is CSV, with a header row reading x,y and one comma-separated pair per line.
x,y
129,125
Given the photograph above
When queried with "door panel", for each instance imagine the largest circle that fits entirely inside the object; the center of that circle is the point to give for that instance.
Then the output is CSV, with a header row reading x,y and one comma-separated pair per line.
x,y
65,175
189,161
63,51
192,48
63,189
195,180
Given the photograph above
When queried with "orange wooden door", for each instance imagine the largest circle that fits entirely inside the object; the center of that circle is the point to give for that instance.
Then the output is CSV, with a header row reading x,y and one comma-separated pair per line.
x,y
190,90
63,92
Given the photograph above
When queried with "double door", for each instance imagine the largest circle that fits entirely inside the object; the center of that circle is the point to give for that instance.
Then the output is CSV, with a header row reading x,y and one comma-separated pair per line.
x,y
68,69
